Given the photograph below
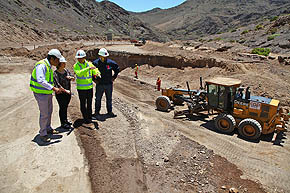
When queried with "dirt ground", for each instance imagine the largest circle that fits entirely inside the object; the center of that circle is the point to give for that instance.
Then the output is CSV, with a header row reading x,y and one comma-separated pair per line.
x,y
26,164
144,150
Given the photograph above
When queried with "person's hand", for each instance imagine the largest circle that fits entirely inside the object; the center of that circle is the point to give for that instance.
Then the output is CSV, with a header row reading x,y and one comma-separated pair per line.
x,y
67,91
56,90
62,90
70,78
92,67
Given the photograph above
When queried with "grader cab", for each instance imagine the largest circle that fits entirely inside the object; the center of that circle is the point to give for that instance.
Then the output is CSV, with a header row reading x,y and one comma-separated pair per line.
x,y
236,108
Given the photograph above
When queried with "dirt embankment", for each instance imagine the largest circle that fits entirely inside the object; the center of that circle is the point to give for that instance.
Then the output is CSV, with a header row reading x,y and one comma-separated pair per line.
x,y
254,71
126,60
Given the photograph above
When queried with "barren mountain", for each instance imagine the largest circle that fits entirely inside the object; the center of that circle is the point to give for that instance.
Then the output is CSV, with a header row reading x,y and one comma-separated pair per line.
x,y
196,18
33,20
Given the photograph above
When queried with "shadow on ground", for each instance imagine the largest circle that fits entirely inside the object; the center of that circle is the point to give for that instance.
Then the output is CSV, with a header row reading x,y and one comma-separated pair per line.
x,y
80,122
54,139
209,124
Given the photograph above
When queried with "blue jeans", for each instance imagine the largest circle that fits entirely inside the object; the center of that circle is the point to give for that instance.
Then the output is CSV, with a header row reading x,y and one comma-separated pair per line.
x,y
100,90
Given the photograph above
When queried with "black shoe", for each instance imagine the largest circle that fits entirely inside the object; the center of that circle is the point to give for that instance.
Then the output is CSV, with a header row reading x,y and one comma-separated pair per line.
x,y
96,116
68,122
45,139
111,114
65,126
52,131
87,121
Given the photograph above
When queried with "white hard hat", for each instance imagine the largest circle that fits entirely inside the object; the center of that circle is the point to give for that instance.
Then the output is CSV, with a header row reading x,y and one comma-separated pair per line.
x,y
80,54
55,52
103,52
62,59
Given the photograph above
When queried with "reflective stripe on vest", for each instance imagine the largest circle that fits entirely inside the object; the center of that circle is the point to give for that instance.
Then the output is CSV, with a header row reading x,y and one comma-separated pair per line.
x,y
83,78
34,80
84,82
35,86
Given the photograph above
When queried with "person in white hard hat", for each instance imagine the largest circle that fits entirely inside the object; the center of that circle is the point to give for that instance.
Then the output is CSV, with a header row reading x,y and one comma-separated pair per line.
x,y
105,83
85,71
62,79
41,83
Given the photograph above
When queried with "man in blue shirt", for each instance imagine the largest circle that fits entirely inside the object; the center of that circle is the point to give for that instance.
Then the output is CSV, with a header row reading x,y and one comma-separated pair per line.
x,y
105,83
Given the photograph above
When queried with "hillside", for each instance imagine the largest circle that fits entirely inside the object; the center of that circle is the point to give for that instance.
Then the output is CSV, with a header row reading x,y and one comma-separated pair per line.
x,y
197,18
36,20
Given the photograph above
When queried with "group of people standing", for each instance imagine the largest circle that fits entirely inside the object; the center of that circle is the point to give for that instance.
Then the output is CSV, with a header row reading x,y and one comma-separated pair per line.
x,y
44,81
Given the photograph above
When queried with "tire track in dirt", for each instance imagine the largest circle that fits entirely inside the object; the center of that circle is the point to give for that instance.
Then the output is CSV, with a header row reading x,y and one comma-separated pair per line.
x,y
15,107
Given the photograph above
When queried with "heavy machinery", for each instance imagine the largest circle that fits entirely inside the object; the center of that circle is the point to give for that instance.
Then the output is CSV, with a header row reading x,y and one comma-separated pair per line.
x,y
236,108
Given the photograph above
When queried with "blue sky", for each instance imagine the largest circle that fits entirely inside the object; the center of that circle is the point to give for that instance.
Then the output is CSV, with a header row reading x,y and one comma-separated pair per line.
x,y
145,5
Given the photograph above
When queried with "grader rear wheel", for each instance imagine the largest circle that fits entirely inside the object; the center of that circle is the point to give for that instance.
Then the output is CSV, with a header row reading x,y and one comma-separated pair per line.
x,y
162,103
250,129
225,123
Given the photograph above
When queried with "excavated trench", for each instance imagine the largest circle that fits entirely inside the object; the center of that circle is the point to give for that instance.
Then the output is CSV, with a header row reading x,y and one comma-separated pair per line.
x,y
125,59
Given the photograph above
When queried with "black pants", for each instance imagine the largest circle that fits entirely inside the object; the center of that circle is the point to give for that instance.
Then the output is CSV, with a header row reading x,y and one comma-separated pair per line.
x,y
86,98
63,101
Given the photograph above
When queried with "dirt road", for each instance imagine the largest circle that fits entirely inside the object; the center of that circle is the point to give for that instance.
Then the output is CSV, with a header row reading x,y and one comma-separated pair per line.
x,y
135,147
26,164
261,161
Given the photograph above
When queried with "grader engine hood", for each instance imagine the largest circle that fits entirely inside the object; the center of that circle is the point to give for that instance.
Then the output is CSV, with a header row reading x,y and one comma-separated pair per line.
x,y
265,110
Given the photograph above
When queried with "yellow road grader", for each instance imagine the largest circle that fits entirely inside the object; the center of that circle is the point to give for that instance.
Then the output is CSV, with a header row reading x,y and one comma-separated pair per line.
x,y
236,108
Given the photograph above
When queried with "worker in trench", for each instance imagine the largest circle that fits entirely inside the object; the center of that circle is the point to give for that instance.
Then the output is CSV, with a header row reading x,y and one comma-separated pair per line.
x,y
136,70
158,84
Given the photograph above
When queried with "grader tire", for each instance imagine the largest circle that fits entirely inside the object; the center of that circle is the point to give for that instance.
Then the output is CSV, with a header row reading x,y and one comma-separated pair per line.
x,y
225,123
250,129
162,103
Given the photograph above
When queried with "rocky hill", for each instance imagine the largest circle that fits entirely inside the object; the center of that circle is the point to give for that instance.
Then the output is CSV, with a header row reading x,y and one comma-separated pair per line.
x,y
273,34
33,20
253,23
196,18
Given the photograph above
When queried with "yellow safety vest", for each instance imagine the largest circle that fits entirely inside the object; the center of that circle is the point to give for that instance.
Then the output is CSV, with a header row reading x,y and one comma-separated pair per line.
x,y
84,75
35,86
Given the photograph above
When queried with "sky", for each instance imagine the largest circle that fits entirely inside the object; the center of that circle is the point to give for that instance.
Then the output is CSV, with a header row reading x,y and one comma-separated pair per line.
x,y
145,5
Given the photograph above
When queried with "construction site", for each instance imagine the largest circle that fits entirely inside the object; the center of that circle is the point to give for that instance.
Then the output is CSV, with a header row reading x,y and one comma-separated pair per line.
x,y
219,123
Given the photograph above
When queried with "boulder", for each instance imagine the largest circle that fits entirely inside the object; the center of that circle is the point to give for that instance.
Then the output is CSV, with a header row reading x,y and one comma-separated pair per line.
x,y
271,57
284,44
233,190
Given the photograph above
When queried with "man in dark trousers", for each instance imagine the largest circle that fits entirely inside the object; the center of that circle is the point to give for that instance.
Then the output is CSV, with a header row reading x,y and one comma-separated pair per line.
x,y
105,83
